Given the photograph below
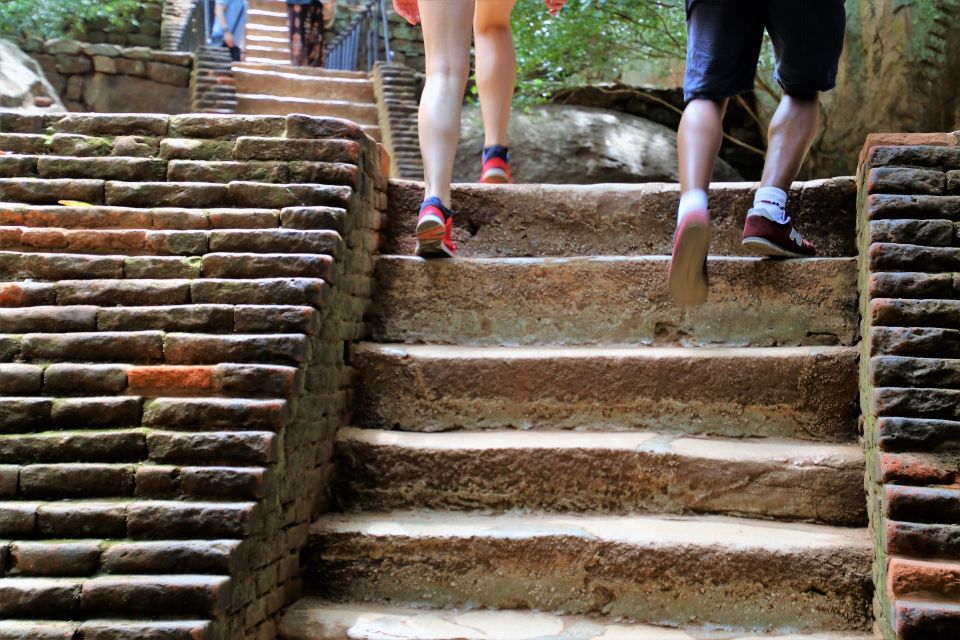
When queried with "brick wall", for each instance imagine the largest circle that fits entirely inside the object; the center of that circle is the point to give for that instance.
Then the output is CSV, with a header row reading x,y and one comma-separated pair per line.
x,y
172,363
398,88
910,378
107,78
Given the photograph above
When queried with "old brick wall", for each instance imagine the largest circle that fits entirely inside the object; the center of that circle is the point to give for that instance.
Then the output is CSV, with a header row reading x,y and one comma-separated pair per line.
x,y
397,88
910,378
172,363
106,78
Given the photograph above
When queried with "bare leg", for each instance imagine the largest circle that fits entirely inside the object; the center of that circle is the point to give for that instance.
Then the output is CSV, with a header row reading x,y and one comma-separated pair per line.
x,y
698,142
446,38
792,131
496,67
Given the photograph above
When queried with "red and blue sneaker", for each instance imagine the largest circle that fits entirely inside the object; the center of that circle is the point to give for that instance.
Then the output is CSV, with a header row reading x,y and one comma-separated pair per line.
x,y
687,280
496,166
435,230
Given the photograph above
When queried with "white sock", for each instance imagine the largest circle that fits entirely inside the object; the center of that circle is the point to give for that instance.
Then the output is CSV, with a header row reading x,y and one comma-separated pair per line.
x,y
772,202
693,200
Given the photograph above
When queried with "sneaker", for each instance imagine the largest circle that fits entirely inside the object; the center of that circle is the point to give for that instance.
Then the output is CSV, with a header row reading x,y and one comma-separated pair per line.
x,y
762,236
687,280
435,230
496,166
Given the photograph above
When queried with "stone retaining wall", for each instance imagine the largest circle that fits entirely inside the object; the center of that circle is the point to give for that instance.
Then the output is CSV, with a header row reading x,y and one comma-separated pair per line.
x,y
107,78
910,378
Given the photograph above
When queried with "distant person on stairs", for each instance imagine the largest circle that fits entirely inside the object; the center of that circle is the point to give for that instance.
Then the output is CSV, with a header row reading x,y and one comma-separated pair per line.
x,y
308,21
446,37
229,26
723,47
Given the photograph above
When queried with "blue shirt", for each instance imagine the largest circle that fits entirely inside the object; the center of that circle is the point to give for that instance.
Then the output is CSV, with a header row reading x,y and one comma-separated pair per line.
x,y
236,14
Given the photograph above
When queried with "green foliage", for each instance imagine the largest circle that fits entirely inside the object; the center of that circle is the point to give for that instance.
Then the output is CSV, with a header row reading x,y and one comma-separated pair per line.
x,y
60,18
592,40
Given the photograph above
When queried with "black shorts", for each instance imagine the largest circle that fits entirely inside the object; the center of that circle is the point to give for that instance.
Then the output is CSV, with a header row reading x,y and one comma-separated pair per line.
x,y
724,39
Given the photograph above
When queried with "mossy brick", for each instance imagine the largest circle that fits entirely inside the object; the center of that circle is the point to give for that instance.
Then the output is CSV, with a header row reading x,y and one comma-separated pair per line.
x,y
37,630
82,519
111,124
279,196
900,434
283,291
316,150
77,480
39,191
919,539
71,144
178,219
24,414
37,597
18,166
169,557
107,168
19,122
931,505
915,341
23,143
9,482
87,413
225,126
60,378
953,182
225,448
216,414
143,629
114,445
18,519
304,126
899,371
190,520
184,348
222,483
196,149
136,146
276,318
9,347
107,293
165,194
914,156
196,596
907,257
915,313
276,241
880,207
917,403
177,243
932,233
243,218
159,267
337,173
267,265
144,346
54,559
21,379
908,285
332,218
224,172
203,318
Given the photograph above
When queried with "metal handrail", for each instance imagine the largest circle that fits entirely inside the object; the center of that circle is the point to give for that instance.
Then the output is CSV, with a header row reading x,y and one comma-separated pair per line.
x,y
343,54
196,31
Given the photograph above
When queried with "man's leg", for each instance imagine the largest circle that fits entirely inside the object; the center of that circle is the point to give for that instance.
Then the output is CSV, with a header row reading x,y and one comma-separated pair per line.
x,y
789,138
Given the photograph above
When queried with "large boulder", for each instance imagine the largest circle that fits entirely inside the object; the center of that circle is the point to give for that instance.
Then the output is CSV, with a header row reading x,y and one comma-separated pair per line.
x,y
579,145
22,82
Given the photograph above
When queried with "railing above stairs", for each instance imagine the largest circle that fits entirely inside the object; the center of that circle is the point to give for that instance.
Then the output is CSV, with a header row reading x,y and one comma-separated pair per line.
x,y
357,48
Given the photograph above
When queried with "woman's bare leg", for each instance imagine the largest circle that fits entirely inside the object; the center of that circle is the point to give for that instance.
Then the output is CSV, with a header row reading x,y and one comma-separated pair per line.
x,y
446,38
496,67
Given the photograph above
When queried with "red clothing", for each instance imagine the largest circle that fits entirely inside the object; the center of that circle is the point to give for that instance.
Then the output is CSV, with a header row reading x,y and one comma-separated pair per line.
x,y
411,12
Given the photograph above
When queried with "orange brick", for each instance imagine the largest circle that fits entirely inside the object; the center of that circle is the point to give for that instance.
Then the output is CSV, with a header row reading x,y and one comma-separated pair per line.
x,y
184,378
912,577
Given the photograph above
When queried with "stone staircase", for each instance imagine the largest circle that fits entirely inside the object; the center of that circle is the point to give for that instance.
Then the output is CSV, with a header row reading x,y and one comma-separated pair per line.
x,y
547,447
267,34
171,364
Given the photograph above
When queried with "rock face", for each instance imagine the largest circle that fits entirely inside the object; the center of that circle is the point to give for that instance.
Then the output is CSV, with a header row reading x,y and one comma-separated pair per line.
x,y
579,145
22,82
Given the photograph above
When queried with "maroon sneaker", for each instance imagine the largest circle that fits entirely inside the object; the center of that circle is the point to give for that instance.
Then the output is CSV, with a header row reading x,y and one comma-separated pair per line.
x,y
687,280
762,236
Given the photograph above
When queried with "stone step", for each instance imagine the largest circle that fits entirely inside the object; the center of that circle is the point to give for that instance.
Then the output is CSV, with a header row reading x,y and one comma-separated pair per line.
x,y
610,472
136,519
263,104
121,596
170,219
294,84
613,300
312,71
263,52
649,569
138,292
103,628
268,18
186,318
807,393
276,6
83,558
568,220
317,619
257,59
256,38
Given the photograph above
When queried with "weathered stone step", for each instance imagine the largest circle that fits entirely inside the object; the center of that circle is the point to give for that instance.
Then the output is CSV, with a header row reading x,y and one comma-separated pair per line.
x,y
312,71
137,519
188,318
170,219
278,62
274,54
114,596
669,571
318,619
790,392
294,84
256,104
613,300
81,558
256,38
611,472
606,219
165,292
267,18
106,627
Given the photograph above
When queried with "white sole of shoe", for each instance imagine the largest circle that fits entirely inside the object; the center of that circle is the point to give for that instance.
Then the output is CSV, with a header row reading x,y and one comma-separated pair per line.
x,y
763,247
